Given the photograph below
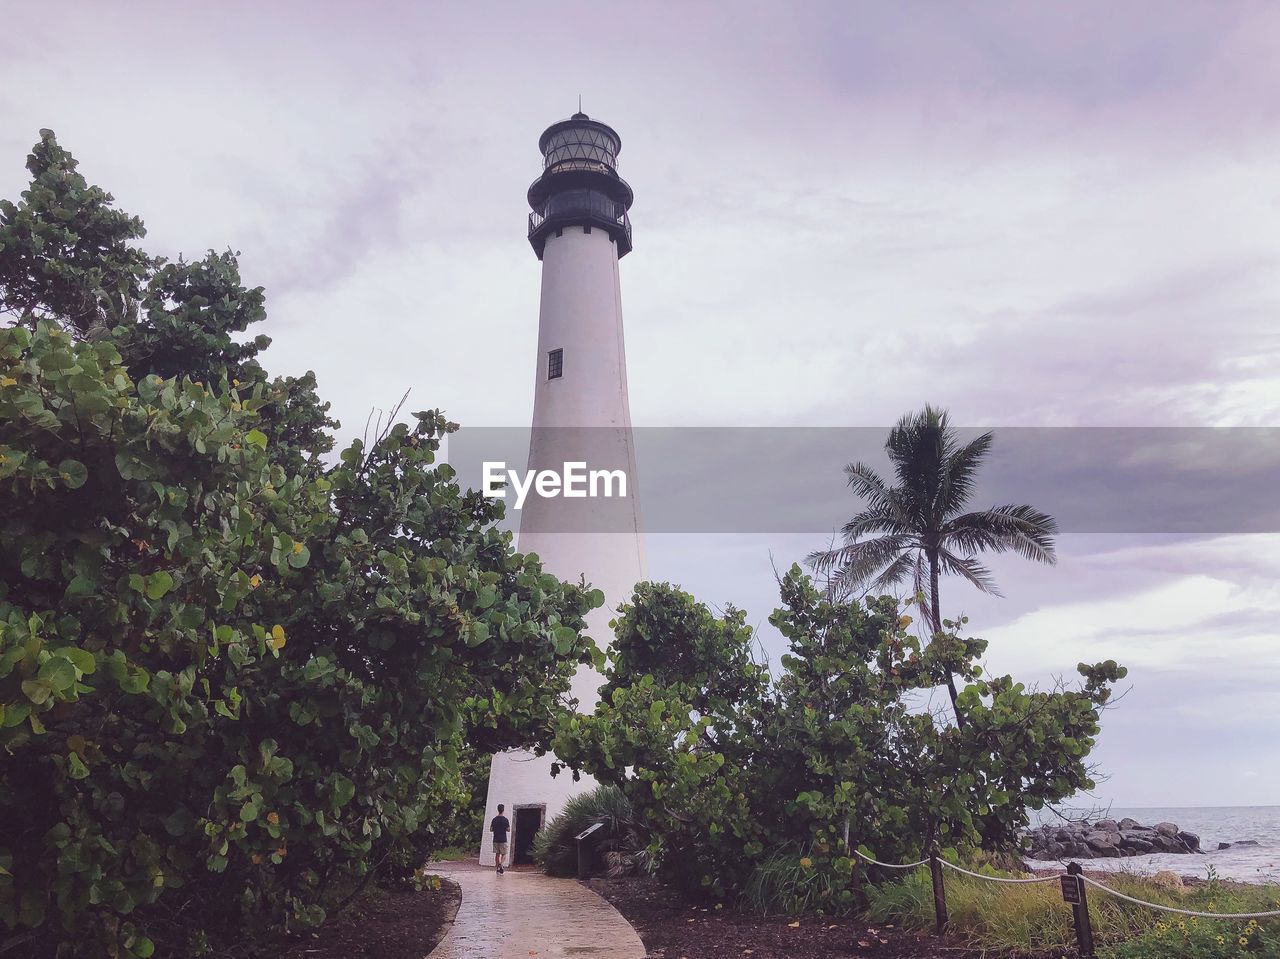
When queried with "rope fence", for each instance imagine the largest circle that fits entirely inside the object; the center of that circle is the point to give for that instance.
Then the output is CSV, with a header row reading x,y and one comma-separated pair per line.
x,y
978,875
891,865
1273,914
1073,892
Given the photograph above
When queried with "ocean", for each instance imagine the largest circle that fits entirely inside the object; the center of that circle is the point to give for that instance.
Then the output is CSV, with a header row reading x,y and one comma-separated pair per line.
x,y
1213,824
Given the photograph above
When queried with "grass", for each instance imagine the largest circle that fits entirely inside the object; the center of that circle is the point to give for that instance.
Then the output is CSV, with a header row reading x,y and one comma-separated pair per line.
x,y
454,854
787,883
1033,918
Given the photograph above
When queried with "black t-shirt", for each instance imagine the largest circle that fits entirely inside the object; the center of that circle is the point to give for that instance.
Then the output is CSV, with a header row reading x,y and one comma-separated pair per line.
x,y
500,826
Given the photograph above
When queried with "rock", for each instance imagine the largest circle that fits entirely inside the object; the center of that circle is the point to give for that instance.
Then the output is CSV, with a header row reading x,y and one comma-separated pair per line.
x,y
1103,843
1107,839
1166,843
1224,845
1245,842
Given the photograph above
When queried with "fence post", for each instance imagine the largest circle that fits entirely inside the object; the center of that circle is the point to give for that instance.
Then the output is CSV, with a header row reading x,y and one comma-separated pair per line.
x,y
1080,912
939,891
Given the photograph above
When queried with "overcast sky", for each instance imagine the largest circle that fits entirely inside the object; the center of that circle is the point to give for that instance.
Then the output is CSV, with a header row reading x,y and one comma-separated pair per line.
x,y
1033,215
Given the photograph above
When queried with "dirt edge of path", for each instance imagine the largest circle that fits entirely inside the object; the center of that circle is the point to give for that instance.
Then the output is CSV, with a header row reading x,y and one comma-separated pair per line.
x,y
385,924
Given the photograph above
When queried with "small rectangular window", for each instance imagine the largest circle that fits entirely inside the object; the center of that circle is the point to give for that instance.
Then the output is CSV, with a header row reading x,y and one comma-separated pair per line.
x,y
555,364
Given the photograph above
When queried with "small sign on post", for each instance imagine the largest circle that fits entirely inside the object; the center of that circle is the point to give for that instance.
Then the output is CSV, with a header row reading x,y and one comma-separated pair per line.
x,y
589,830
1079,908
584,841
1070,889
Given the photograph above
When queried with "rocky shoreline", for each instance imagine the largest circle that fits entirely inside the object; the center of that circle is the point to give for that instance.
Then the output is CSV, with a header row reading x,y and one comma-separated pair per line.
x,y
1109,839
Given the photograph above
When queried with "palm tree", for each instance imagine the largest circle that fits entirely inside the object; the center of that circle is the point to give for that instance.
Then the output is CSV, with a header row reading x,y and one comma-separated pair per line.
x,y
916,530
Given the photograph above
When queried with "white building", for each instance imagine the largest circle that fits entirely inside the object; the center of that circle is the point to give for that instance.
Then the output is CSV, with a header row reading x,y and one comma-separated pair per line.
x,y
579,229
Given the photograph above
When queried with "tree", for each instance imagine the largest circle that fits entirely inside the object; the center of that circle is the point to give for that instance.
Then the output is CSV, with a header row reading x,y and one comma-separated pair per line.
x,y
66,253
675,731
236,681
916,530
831,756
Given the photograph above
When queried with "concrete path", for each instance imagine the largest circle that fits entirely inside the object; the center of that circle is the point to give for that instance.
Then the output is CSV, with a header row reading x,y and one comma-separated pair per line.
x,y
524,914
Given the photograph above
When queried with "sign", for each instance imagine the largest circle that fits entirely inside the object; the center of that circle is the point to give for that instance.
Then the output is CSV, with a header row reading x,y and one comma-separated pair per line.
x,y
588,831
1071,889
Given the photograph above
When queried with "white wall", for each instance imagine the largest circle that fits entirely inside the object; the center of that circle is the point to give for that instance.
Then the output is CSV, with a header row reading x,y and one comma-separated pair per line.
x,y
581,314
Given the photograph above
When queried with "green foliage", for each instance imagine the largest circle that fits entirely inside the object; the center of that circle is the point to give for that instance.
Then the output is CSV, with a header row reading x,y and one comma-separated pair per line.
x,y
1192,938
712,657
234,682
790,883
465,822
69,257
555,846
1008,918
730,772
65,252
687,740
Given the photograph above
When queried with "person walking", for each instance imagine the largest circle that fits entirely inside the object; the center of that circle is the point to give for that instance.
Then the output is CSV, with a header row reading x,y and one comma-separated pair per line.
x,y
500,826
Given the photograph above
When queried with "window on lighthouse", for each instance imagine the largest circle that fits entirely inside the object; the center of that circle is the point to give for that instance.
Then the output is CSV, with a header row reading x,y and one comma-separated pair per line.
x,y
555,364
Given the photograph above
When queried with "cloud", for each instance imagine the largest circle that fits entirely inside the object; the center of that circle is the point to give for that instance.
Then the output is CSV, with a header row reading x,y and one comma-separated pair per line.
x,y
1035,216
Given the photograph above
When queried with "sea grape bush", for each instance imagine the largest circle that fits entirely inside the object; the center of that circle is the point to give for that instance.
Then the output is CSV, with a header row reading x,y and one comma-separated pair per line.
x,y
733,773
235,679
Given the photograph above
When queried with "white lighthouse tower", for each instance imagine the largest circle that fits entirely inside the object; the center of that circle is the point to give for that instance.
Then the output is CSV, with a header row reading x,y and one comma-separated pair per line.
x,y
579,229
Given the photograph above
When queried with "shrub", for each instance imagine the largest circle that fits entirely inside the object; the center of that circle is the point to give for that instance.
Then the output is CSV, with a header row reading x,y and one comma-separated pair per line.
x,y
729,771
556,848
235,682
791,882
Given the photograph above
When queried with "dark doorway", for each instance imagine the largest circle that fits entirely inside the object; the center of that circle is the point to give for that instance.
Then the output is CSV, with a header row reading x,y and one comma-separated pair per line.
x,y
528,822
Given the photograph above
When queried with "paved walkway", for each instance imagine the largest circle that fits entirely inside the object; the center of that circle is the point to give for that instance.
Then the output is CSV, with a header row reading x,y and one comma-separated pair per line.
x,y
524,913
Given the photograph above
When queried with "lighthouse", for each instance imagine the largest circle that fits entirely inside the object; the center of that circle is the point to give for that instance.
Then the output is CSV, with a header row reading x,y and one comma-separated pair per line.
x,y
579,229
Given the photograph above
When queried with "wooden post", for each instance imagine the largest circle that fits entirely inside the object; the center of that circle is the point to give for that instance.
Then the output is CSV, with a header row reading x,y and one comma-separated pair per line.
x,y
939,891
1080,912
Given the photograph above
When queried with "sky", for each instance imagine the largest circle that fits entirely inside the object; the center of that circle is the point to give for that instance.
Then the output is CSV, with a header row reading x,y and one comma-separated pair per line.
x,y
1033,215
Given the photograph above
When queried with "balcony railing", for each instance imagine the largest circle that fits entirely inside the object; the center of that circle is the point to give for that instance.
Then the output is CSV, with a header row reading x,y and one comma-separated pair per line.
x,y
604,212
